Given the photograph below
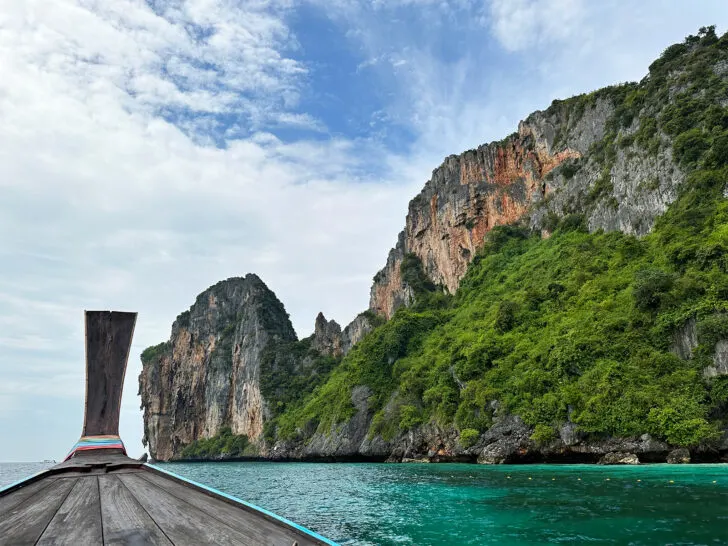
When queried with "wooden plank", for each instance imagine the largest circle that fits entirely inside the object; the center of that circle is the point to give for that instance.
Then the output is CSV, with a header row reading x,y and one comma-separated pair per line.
x,y
183,524
253,524
8,501
107,471
125,520
78,520
108,340
25,523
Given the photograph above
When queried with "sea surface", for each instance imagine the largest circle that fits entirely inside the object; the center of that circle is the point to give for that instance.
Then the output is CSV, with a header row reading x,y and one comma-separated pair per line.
x,y
438,504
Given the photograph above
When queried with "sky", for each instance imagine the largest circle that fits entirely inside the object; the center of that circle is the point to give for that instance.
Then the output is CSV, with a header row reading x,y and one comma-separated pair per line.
x,y
149,149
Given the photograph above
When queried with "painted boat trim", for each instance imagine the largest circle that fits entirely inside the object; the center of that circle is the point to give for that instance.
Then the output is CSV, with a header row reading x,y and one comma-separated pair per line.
x,y
248,504
104,441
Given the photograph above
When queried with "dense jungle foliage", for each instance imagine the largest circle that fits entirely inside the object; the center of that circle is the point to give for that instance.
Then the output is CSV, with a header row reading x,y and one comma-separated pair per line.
x,y
578,326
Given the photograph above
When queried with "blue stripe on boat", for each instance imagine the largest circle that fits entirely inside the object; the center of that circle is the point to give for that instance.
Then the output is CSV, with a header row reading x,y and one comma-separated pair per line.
x,y
249,505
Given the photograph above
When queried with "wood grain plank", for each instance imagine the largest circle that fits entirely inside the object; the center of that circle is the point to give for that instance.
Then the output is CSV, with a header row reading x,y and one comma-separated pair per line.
x,y
255,526
10,500
25,523
78,520
124,519
184,524
108,340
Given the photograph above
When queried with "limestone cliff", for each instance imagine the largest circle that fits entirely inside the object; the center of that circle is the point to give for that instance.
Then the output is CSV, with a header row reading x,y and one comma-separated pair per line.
x,y
208,374
454,377
466,196
327,336
233,360
357,329
645,159
551,167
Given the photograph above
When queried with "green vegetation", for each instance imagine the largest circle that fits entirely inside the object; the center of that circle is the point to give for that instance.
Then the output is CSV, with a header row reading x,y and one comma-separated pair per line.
x,y
651,287
153,353
578,320
579,324
183,319
468,437
368,363
224,445
289,372
543,434
412,275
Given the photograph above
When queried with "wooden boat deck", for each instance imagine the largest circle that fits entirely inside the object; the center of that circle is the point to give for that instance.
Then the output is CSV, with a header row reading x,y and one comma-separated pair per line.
x,y
112,499
98,495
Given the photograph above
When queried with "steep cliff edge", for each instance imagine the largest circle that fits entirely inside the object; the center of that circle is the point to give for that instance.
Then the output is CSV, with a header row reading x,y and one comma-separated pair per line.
x,y
471,193
602,155
558,295
232,364
208,374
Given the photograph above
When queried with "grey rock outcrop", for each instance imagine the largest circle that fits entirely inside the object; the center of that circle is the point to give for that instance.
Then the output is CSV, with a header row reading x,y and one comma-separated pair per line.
x,y
355,331
685,339
720,360
679,456
644,445
569,434
505,441
619,457
327,337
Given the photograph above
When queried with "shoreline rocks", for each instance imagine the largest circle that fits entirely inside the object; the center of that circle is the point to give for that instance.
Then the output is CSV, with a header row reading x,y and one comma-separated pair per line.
x,y
679,456
619,457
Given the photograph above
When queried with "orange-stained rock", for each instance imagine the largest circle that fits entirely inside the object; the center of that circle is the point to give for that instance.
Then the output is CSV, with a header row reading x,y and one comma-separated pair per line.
x,y
466,197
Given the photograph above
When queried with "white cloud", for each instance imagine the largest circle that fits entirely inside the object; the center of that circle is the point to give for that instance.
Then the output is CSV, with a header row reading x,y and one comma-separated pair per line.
x,y
204,56
468,78
107,204
520,24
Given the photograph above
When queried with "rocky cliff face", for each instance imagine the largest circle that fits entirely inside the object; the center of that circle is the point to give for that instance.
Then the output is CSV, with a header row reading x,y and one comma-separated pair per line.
x,y
329,339
356,330
327,336
508,440
547,168
208,374
233,360
471,193
608,161
612,160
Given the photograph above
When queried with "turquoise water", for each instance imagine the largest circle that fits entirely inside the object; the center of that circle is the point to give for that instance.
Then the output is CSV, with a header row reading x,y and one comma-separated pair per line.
x,y
421,504
438,504
13,472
